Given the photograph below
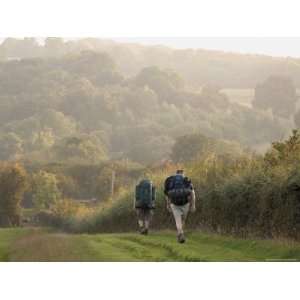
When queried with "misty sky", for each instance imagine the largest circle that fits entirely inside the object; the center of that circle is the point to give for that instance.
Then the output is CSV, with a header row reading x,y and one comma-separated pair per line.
x,y
285,46
269,46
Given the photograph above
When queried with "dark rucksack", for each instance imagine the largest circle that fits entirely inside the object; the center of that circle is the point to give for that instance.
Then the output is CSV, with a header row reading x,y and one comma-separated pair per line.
x,y
145,195
178,191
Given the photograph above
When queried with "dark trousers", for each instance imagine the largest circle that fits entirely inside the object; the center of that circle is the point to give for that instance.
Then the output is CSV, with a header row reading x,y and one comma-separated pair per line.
x,y
144,217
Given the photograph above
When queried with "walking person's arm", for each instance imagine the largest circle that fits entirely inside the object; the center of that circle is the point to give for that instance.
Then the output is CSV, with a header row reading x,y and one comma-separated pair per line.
x,y
193,201
134,199
168,203
192,196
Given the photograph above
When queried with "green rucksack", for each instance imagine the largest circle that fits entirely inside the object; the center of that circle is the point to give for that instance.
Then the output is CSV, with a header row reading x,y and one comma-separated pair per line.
x,y
145,195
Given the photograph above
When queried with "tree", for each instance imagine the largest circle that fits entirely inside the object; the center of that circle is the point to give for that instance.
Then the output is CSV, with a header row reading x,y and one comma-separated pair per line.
x,y
41,130
187,147
195,146
285,151
155,149
13,180
98,67
84,148
277,93
45,192
212,95
60,124
11,146
142,101
163,82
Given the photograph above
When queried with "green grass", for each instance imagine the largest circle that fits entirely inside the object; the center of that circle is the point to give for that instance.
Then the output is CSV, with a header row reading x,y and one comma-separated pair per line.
x,y
33,244
7,237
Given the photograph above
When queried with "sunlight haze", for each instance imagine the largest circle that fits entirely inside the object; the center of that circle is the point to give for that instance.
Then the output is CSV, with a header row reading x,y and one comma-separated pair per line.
x,y
268,46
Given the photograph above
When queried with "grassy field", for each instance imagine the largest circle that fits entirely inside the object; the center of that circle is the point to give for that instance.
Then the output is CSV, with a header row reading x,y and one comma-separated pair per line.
x,y
240,96
34,244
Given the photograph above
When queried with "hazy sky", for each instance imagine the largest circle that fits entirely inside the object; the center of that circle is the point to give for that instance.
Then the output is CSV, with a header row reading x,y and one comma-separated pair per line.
x,y
285,46
269,46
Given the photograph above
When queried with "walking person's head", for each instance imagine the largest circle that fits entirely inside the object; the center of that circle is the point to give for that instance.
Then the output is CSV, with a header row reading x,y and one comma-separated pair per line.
x,y
180,172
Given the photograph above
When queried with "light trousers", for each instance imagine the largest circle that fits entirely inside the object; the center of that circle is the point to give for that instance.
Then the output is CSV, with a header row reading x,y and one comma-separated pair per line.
x,y
180,213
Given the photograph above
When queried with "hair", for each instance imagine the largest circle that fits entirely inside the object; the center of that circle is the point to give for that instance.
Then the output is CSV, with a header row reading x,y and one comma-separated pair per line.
x,y
179,172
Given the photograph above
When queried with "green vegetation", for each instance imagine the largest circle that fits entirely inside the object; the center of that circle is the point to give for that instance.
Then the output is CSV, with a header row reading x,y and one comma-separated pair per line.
x,y
278,94
45,191
197,146
77,102
243,196
12,187
86,119
44,245
7,238
198,66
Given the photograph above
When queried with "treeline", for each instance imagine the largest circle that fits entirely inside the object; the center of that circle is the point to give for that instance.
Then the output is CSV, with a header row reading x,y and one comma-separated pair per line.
x,y
13,183
246,196
199,67
238,193
59,190
55,191
80,108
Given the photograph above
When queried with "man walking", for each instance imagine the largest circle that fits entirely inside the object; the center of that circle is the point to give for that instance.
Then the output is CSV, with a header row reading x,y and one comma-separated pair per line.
x,y
144,204
180,198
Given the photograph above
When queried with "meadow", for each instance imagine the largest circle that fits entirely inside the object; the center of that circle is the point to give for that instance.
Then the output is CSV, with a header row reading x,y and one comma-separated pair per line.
x,y
46,245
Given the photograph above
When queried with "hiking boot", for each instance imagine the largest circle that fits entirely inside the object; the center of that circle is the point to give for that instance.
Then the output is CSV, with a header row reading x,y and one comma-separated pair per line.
x,y
181,238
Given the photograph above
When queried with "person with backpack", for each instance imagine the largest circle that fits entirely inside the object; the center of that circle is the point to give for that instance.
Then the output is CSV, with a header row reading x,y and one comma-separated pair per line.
x,y
180,197
144,204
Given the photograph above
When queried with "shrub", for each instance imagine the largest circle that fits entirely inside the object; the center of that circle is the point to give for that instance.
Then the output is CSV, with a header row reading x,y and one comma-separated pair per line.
x,y
12,186
45,191
246,196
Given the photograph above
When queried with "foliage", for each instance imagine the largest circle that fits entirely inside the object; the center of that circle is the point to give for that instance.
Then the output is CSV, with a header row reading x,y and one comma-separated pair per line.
x,y
133,102
86,148
45,192
197,66
76,111
245,196
278,94
12,186
286,152
193,146
11,146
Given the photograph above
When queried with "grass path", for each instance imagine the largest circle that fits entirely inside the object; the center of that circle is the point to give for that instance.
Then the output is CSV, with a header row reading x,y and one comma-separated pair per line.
x,y
34,244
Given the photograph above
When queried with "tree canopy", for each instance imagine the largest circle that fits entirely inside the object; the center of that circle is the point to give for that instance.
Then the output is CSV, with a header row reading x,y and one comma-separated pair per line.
x,y
91,100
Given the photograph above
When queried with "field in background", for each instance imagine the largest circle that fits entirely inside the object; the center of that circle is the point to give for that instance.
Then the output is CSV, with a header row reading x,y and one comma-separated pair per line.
x,y
240,96
35,244
246,96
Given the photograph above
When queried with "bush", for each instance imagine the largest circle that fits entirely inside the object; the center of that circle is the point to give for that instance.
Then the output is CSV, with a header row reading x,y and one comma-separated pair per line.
x,y
12,186
45,191
246,196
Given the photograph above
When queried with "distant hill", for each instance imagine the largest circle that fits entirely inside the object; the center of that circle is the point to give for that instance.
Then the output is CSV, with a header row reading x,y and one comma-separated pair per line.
x,y
93,100
197,66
